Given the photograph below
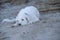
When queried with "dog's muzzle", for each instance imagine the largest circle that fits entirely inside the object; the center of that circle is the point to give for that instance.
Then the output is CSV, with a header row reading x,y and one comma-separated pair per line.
x,y
19,24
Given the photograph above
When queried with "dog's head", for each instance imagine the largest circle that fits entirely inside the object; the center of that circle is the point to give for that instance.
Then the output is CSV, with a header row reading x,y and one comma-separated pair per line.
x,y
22,21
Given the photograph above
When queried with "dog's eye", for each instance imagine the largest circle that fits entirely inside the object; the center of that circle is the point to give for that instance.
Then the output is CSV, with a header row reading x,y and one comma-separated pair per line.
x,y
22,19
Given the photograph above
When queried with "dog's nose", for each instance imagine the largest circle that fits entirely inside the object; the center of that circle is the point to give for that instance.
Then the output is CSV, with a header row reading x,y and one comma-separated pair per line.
x,y
19,24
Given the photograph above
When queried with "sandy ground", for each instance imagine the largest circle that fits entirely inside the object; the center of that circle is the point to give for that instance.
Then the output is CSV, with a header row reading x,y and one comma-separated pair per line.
x,y
48,28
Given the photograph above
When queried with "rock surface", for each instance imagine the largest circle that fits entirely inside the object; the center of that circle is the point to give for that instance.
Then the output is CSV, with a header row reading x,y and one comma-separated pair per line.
x,y
46,29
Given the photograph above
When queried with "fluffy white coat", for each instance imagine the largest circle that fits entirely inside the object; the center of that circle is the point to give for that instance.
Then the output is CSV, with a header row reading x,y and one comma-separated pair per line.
x,y
27,15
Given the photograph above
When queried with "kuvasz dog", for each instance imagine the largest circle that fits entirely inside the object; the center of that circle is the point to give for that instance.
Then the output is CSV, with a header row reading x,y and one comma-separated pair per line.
x,y
25,16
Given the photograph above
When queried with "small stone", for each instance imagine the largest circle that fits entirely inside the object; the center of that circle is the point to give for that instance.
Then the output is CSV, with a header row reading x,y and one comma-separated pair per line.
x,y
44,21
0,32
12,26
27,32
23,32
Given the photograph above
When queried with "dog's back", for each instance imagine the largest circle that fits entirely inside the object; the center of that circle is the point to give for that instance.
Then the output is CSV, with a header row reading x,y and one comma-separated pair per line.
x,y
32,10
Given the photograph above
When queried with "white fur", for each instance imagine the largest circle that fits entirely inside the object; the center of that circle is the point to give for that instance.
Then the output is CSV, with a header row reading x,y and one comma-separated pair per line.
x,y
9,20
29,15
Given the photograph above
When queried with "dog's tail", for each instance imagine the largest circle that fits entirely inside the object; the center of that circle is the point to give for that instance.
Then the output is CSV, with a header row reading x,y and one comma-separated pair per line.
x,y
8,20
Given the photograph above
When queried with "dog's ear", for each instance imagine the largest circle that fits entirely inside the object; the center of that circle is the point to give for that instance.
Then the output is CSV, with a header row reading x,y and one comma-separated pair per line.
x,y
27,19
26,14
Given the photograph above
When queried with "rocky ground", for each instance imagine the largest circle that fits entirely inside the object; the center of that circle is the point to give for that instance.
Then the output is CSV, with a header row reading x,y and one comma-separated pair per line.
x,y
48,28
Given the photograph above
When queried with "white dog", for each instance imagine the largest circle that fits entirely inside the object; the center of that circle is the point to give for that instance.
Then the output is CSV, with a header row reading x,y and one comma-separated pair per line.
x,y
27,15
